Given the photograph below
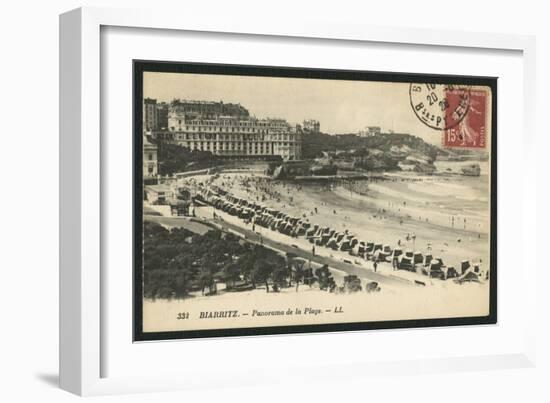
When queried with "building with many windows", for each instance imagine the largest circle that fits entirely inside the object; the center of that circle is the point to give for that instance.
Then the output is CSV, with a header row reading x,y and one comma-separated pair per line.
x,y
149,114
150,160
370,131
229,130
311,126
162,116
155,115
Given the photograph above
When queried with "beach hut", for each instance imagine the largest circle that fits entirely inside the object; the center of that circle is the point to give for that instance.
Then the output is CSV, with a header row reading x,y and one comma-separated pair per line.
x,y
344,245
362,248
359,249
280,227
418,258
300,229
397,252
451,272
275,223
323,239
394,257
405,263
318,232
286,228
427,259
311,231
464,265
332,243
436,268
379,256
245,214
468,276
264,219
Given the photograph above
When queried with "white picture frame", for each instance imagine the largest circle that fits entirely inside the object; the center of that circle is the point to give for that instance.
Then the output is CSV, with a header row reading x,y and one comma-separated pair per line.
x,y
83,307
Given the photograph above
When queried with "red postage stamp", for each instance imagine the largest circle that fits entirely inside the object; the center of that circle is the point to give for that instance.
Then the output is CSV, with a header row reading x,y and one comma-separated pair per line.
x,y
471,131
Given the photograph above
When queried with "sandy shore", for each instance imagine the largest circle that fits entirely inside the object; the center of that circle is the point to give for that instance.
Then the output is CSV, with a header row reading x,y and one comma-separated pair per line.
x,y
381,216
449,216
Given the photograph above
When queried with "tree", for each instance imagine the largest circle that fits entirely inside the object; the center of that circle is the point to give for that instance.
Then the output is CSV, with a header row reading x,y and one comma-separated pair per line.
x,y
206,274
279,275
177,262
261,272
206,280
231,273
289,264
325,279
175,158
298,272
181,266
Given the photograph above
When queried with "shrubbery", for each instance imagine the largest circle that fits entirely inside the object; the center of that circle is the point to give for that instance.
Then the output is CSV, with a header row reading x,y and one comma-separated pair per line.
x,y
174,158
177,262
315,143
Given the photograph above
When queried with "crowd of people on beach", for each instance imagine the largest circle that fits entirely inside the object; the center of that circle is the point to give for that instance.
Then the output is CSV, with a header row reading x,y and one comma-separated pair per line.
x,y
251,208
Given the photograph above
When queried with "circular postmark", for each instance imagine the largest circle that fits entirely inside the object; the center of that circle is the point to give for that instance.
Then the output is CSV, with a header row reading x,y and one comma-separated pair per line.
x,y
439,106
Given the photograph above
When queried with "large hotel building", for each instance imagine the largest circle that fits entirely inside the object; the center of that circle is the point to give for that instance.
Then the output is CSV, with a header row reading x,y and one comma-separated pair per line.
x,y
226,130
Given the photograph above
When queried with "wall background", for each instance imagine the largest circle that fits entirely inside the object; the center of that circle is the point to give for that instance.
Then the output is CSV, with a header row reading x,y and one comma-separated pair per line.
x,y
29,202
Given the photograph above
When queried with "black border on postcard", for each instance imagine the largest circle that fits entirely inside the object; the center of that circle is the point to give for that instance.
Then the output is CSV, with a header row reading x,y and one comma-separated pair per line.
x,y
141,66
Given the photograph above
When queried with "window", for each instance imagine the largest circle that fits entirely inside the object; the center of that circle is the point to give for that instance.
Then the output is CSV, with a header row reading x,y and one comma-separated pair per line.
x,y
150,157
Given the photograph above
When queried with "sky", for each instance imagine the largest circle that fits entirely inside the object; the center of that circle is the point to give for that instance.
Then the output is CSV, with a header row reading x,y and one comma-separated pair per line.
x,y
340,106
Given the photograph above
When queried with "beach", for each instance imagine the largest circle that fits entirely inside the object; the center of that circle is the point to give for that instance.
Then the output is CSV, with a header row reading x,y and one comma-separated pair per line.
x,y
446,215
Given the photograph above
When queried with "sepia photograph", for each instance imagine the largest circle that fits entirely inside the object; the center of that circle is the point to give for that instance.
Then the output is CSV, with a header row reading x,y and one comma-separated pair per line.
x,y
272,200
